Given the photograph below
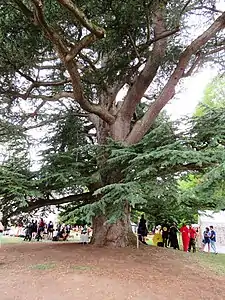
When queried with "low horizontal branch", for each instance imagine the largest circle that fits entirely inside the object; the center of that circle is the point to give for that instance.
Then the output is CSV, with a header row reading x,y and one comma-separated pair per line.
x,y
55,97
36,84
47,122
85,198
212,9
163,35
192,167
216,50
51,83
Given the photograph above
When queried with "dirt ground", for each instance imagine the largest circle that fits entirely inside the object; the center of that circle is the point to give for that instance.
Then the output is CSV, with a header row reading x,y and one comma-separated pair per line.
x,y
66,271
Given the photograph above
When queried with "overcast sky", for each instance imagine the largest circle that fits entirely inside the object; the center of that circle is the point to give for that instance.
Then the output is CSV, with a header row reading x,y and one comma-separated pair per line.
x,y
193,89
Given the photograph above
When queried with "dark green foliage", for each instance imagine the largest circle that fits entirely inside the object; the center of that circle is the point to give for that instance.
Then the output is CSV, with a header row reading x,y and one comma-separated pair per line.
x,y
157,172
117,57
147,174
153,171
18,186
11,134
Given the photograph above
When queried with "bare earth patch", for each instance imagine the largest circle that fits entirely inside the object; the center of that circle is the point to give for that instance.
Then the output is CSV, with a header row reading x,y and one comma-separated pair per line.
x,y
61,271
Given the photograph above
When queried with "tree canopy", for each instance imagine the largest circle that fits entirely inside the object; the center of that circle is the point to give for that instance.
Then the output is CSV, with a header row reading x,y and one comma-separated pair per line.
x,y
214,96
95,77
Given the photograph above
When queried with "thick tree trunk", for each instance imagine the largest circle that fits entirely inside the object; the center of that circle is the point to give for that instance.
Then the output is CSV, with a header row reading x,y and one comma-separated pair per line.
x,y
118,234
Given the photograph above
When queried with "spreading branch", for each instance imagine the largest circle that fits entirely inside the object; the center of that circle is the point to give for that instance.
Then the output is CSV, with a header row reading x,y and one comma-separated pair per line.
x,y
161,36
185,7
80,199
80,16
36,84
60,46
56,118
88,61
51,83
49,31
34,113
143,81
143,125
55,97
4,54
194,65
27,12
83,43
216,50
27,77
212,9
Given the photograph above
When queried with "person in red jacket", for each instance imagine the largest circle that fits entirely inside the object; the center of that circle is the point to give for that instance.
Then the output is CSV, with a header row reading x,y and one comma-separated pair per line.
x,y
185,237
192,242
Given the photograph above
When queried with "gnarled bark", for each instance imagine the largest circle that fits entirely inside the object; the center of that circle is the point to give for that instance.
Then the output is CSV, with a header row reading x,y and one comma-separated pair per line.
x,y
118,234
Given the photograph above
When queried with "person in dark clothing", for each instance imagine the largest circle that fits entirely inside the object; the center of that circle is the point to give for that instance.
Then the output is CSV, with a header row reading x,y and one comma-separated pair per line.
x,y
1,228
34,228
206,239
213,239
165,234
67,232
50,230
28,232
192,242
58,228
173,237
40,231
142,230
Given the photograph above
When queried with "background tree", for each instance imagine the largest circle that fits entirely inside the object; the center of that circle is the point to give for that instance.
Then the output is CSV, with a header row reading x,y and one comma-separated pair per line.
x,y
81,56
208,187
214,96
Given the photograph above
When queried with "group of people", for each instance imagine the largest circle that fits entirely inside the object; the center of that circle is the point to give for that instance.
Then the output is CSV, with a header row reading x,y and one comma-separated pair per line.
x,y
41,230
38,230
209,239
61,233
168,234
48,231
189,235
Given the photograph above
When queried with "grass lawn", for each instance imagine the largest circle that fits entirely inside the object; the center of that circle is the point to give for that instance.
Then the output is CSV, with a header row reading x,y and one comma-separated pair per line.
x,y
149,240
213,262
10,240
15,240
